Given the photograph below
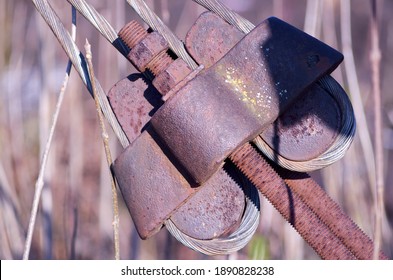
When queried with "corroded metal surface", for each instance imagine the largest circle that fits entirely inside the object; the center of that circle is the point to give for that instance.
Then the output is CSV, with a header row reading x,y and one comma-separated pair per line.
x,y
252,101
308,128
171,76
146,49
330,213
134,100
234,100
290,205
214,211
151,185
154,189
297,135
132,33
210,38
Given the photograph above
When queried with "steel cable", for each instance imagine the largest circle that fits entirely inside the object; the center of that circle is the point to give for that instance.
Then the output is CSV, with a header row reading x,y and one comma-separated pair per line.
x,y
79,63
228,15
250,218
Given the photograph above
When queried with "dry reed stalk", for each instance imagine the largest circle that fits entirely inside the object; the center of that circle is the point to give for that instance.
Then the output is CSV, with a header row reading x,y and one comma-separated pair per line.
x,y
40,180
375,59
12,135
105,140
107,64
44,122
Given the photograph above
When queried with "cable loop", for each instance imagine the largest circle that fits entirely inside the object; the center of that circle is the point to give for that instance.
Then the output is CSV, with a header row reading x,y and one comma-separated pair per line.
x,y
337,149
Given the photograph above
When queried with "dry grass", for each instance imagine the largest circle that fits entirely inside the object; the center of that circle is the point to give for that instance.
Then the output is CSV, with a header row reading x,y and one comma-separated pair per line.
x,y
75,215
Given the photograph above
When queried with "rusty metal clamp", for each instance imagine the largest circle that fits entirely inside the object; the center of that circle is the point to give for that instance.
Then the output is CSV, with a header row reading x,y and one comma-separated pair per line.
x,y
172,170
314,133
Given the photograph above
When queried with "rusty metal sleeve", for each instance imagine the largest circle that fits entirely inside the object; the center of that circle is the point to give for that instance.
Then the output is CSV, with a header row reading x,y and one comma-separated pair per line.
x,y
289,204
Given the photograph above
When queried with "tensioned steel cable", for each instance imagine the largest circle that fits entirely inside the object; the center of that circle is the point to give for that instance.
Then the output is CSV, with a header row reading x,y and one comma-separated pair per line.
x,y
100,23
335,152
228,15
79,63
96,19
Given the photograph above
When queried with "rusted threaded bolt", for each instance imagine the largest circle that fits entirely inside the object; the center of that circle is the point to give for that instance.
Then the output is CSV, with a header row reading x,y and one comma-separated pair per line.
x,y
288,203
303,203
149,51
132,33
330,213
159,63
144,46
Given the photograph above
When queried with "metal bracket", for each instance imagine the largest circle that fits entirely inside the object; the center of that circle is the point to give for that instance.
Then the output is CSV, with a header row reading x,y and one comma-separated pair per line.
x,y
219,110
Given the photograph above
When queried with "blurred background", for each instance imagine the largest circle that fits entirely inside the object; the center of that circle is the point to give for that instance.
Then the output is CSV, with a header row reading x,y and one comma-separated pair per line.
x,y
75,214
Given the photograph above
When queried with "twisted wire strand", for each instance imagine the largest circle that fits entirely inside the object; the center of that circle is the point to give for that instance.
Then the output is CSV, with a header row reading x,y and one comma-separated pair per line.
x,y
96,19
79,63
228,15
100,23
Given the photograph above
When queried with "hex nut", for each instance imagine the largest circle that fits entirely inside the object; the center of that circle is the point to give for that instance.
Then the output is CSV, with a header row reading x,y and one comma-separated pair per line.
x,y
146,49
171,76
